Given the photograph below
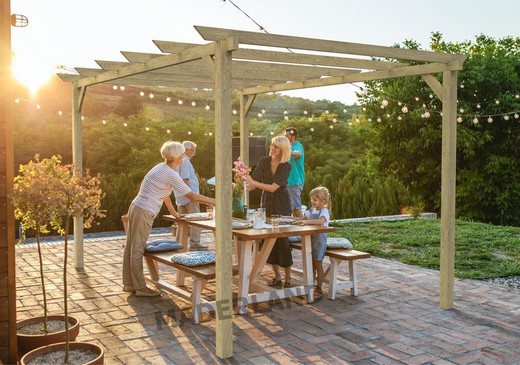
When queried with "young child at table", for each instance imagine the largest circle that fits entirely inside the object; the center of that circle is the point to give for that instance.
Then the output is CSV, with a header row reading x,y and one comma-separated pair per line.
x,y
319,214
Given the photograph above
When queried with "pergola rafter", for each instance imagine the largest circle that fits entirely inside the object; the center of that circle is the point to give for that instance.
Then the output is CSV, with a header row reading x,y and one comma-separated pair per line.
x,y
226,67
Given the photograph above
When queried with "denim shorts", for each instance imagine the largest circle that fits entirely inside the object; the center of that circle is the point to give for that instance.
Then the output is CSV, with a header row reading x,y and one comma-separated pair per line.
x,y
295,192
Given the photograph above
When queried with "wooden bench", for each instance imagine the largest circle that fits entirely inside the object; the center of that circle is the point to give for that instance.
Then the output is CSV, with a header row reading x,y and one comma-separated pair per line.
x,y
200,275
336,256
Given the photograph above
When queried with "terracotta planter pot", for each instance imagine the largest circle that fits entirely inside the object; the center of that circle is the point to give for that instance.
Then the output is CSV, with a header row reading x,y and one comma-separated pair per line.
x,y
41,351
27,343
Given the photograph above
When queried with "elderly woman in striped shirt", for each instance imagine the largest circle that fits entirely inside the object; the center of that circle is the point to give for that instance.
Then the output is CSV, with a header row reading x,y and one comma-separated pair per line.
x,y
156,188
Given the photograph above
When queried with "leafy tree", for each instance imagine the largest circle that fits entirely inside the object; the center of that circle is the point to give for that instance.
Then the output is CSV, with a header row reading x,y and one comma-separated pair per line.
x,y
402,126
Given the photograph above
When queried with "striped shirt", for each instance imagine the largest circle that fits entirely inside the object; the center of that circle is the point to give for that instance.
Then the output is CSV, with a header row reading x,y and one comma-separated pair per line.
x,y
159,183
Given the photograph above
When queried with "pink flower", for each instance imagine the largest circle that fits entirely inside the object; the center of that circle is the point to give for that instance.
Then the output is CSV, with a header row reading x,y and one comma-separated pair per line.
x,y
240,170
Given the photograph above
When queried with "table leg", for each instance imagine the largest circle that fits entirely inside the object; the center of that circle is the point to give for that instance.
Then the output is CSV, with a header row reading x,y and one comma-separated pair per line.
x,y
308,274
261,259
243,276
184,228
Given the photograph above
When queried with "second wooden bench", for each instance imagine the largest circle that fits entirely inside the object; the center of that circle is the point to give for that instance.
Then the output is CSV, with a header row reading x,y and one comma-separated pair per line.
x,y
336,256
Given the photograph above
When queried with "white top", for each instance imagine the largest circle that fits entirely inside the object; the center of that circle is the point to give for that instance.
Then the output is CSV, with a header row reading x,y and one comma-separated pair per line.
x,y
324,213
187,172
157,185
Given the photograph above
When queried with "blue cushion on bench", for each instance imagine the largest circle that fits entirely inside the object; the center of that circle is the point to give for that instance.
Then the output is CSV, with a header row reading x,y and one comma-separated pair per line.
x,y
335,242
163,245
194,258
295,239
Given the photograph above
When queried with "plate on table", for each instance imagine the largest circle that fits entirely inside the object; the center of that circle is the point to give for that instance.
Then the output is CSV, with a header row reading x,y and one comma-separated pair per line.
x,y
241,225
196,217
286,221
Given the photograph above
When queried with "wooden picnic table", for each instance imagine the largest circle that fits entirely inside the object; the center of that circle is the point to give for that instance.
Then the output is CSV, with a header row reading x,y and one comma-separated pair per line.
x,y
252,248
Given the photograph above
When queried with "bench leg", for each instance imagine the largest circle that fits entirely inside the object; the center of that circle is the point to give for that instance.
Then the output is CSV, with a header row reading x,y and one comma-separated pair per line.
x,y
153,268
196,298
352,274
333,278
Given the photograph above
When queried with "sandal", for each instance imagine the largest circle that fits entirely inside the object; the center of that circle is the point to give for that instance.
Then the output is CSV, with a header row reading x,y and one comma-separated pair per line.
x,y
288,285
274,282
318,293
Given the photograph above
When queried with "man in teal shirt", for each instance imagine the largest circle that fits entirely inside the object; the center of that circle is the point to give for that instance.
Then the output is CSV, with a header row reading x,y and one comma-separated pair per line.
x,y
297,177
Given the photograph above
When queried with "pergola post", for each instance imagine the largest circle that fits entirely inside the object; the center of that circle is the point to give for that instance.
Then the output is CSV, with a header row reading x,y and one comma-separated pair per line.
x,y
77,160
223,219
448,182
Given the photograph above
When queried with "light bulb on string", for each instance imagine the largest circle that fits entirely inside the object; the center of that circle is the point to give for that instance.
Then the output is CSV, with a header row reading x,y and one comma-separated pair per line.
x,y
125,124
326,112
251,134
310,119
378,120
286,117
104,121
490,120
122,88
207,107
285,112
478,106
334,120
60,113
147,128
506,117
168,99
331,126
305,112
234,112
475,120
263,111
516,116
141,93
180,102
189,133
312,129
168,131
38,106
404,109
384,103
193,103
497,102
260,115
151,96
210,134
344,110
114,87
459,120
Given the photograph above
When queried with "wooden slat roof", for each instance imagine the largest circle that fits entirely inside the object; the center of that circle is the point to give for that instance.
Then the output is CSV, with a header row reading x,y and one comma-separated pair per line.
x,y
289,63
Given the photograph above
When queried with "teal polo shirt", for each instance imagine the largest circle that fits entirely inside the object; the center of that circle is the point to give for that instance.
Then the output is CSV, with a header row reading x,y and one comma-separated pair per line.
x,y
297,175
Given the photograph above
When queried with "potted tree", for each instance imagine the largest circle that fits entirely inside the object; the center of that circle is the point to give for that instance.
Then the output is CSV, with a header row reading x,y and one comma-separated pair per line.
x,y
68,194
33,207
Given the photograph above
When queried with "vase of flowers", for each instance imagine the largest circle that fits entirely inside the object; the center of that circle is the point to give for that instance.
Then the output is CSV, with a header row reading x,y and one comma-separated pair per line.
x,y
239,189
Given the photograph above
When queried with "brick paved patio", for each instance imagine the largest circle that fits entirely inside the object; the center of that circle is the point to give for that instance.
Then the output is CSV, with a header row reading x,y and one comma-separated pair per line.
x,y
396,318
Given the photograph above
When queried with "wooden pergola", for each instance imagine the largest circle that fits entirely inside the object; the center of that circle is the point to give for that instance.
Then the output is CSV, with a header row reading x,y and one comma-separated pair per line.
x,y
273,63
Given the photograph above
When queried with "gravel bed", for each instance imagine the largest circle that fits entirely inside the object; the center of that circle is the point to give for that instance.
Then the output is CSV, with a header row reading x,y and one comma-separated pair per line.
x,y
511,281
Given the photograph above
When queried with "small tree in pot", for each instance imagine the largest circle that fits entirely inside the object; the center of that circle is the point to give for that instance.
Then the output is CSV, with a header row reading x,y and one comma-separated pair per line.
x,y
48,194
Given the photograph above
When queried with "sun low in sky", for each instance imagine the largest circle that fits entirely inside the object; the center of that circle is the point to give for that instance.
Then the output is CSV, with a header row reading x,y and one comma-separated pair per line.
x,y
30,72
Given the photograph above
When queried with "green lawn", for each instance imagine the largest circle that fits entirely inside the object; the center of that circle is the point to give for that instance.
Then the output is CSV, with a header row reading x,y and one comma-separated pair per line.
x,y
482,250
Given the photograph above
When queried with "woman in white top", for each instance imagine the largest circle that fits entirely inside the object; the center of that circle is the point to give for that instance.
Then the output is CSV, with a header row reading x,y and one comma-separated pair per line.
x,y
156,188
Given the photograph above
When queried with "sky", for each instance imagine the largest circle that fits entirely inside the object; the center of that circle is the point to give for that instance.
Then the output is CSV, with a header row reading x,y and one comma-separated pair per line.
x,y
75,33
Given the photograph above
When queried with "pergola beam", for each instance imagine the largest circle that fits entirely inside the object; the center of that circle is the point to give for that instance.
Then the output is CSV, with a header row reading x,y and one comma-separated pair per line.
x,y
361,77
320,45
154,64
288,57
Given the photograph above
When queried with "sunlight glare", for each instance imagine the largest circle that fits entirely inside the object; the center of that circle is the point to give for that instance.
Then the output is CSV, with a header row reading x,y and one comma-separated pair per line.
x,y
30,73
